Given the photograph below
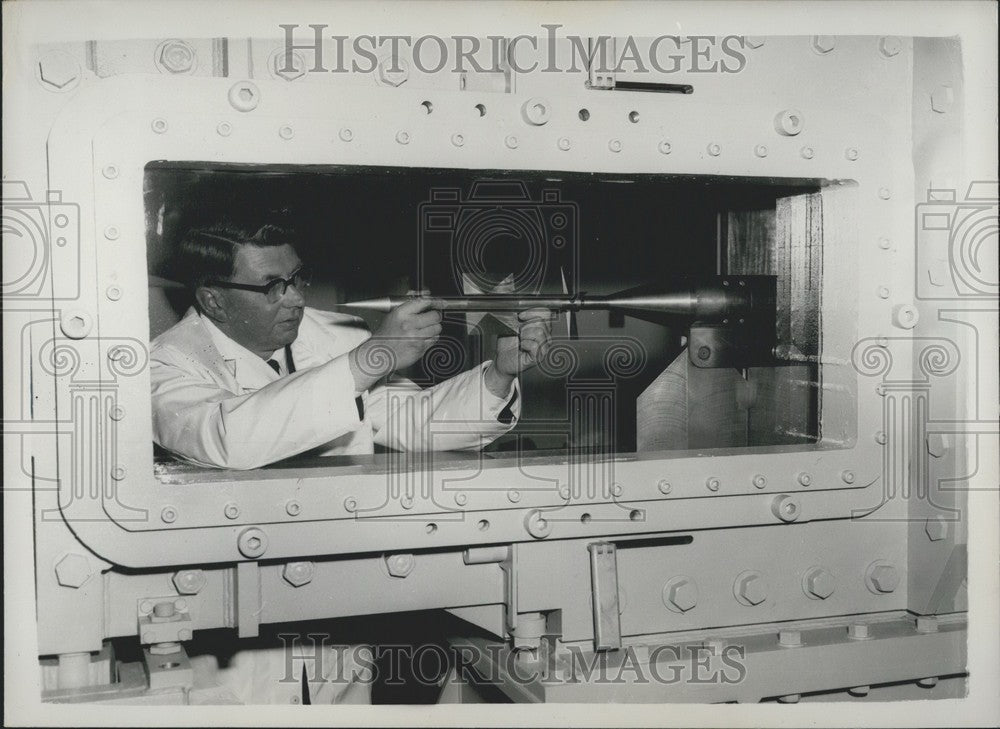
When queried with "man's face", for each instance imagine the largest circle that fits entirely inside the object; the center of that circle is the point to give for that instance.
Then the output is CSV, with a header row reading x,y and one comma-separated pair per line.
x,y
253,321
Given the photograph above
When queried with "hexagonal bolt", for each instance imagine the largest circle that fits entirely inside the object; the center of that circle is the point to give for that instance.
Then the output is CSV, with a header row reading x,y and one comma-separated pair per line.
x,y
936,528
189,582
882,578
298,574
942,99
818,583
73,570
400,565
823,44
890,45
288,66
680,594
393,71
176,56
750,588
58,70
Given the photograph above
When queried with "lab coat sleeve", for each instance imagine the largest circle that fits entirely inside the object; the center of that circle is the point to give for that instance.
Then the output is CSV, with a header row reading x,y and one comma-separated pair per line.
x,y
196,418
458,414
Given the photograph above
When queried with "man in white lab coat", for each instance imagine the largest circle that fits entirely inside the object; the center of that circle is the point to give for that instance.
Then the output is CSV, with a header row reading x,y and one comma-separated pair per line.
x,y
250,376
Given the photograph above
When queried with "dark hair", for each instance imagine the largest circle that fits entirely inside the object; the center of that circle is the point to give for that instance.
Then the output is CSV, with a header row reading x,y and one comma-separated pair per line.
x,y
210,253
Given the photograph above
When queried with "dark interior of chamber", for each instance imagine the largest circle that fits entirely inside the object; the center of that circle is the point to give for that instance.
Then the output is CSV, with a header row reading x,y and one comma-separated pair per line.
x,y
374,231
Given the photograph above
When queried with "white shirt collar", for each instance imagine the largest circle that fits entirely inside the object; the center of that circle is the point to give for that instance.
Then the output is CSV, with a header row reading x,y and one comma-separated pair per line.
x,y
237,357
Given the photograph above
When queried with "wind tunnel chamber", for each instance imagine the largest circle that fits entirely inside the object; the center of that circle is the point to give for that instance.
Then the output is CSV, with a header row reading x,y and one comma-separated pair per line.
x,y
614,382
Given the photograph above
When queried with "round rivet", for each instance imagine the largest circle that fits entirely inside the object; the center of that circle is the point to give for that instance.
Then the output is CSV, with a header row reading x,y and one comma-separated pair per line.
x,y
714,149
75,324
789,122
884,243
231,510
511,142
615,145
406,502
537,525
111,233
244,96
847,476
785,507
168,515
760,150
461,499
117,413
535,111
159,125
616,489
118,472
146,606
883,192
351,503
905,316
880,437
252,542
664,486
346,134
851,153
110,171
403,137
713,484
114,293
514,496
883,292
807,153
293,508
564,492
805,479
457,139
664,147
224,129
564,144
285,131
759,481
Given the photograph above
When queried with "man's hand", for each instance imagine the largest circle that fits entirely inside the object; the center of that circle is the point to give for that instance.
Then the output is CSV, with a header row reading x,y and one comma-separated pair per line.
x,y
517,354
404,335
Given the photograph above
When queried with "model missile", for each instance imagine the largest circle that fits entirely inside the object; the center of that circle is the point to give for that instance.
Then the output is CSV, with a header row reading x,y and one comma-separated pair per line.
x,y
715,298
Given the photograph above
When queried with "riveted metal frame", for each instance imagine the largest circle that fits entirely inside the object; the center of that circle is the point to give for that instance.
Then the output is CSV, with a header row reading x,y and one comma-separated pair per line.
x,y
131,518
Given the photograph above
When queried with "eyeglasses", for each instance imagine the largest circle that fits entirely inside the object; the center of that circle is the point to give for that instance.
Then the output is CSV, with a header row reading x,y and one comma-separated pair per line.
x,y
273,290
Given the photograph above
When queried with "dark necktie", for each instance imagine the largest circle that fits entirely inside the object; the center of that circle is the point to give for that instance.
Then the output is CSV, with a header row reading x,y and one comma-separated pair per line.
x,y
274,365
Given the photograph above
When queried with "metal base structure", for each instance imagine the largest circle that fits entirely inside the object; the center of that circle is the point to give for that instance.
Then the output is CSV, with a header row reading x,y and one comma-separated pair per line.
x,y
876,657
